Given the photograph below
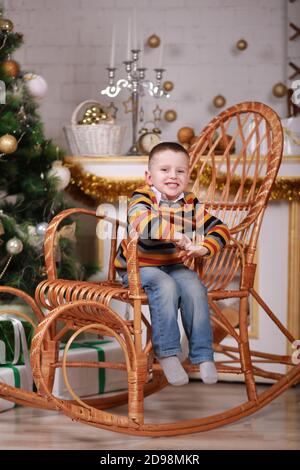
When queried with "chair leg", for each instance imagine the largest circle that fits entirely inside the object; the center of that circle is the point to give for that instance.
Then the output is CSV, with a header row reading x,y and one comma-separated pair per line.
x,y
49,357
245,350
136,381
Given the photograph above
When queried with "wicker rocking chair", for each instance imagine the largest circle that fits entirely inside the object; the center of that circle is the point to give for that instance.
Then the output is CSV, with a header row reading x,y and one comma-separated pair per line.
x,y
239,183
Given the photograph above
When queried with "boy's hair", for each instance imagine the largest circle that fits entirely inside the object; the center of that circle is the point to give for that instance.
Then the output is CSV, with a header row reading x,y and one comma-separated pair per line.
x,y
174,146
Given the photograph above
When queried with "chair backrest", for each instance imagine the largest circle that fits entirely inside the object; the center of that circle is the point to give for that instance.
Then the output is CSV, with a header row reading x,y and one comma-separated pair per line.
x,y
235,182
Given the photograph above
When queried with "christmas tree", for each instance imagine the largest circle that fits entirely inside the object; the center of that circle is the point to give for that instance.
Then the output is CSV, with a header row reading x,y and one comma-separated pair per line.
x,y
31,180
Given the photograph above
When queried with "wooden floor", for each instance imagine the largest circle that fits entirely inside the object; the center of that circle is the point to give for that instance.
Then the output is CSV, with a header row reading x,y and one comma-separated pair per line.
x,y
276,426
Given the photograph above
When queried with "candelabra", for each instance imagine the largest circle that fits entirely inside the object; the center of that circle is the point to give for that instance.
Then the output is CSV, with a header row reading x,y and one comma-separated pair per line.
x,y
136,83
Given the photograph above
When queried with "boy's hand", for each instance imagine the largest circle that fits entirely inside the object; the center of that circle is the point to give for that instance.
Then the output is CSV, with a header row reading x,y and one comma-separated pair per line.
x,y
182,241
195,251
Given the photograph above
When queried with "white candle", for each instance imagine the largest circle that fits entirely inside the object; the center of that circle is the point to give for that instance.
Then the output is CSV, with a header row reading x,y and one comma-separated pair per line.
x,y
142,53
128,57
134,30
113,47
160,57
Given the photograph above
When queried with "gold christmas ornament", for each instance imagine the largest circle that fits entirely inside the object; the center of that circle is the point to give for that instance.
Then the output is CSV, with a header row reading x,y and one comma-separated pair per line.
x,y
242,44
279,90
94,115
11,68
6,25
170,115
8,144
168,85
185,134
153,41
219,101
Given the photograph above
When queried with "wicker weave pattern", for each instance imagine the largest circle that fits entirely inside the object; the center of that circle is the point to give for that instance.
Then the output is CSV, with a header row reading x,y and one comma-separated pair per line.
x,y
105,138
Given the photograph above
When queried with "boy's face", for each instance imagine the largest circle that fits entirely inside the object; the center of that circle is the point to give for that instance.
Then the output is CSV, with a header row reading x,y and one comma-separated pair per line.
x,y
168,172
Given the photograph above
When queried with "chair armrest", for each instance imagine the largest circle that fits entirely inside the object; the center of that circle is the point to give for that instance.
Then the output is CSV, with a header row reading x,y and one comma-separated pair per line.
x,y
51,233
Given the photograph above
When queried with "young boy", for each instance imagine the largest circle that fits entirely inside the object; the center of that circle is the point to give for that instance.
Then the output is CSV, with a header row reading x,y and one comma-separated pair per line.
x,y
166,217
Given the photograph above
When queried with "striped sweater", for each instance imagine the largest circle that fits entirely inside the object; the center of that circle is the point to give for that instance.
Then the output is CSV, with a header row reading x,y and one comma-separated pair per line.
x,y
156,225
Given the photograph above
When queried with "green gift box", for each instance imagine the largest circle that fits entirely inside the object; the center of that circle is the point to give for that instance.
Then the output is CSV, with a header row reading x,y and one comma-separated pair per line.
x,y
16,376
13,335
91,381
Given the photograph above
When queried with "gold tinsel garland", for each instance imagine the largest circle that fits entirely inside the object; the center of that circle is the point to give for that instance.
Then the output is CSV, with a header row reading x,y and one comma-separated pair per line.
x,y
97,189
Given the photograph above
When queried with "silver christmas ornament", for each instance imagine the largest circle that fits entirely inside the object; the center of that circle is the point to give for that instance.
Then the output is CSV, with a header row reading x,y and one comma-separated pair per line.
x,y
41,228
14,246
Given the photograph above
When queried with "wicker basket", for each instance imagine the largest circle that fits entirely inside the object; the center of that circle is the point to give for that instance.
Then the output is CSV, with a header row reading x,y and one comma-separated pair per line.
x,y
101,139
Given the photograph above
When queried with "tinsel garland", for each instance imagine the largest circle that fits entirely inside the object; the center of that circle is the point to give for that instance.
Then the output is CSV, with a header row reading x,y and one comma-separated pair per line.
x,y
97,189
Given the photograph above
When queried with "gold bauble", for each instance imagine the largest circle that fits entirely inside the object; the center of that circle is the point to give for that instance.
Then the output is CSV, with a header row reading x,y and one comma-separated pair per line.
x,y
153,41
8,144
11,68
6,25
219,101
242,44
94,115
168,85
185,134
279,90
170,115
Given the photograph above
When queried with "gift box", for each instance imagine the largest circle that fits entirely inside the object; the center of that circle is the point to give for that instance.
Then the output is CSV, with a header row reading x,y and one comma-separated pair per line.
x,y
15,340
291,133
91,381
291,130
16,376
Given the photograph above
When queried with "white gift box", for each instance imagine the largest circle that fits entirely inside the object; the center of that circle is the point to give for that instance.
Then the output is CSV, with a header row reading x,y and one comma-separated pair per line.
x,y
91,381
16,376
291,130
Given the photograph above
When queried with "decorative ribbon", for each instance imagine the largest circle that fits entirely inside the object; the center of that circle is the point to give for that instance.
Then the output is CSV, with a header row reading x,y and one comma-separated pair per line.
x,y
20,344
101,357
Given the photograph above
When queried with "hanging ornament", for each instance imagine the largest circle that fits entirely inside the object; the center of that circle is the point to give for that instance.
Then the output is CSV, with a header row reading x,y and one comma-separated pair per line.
x,y
11,68
128,105
36,84
242,44
112,110
33,239
157,112
6,25
153,41
185,135
168,85
8,144
279,90
41,229
170,115
60,172
219,101
14,246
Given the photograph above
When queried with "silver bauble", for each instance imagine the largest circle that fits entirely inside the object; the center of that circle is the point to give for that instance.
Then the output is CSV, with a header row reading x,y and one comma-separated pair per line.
x,y
41,228
14,246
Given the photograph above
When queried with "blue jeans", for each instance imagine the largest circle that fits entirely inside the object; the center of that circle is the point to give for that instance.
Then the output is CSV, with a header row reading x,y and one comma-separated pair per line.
x,y
168,288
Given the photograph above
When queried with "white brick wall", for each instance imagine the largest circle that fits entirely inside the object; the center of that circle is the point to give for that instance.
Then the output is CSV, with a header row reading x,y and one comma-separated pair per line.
x,y
68,42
